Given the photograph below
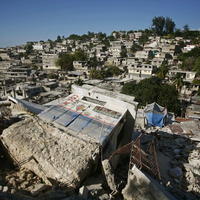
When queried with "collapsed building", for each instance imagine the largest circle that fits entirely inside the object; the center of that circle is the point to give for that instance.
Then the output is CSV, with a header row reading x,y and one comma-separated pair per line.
x,y
64,142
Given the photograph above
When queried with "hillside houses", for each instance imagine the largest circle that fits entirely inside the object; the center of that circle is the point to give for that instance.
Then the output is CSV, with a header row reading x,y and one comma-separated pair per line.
x,y
123,49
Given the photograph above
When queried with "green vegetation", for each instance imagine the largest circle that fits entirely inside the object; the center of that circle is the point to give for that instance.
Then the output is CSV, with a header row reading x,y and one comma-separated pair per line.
x,y
144,38
153,90
162,25
29,48
65,61
58,39
86,37
79,82
191,60
162,70
196,82
94,62
123,53
136,47
109,71
178,81
52,76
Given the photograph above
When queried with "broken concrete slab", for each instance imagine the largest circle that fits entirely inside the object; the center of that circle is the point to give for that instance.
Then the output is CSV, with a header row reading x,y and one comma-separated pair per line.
x,y
52,154
140,187
107,168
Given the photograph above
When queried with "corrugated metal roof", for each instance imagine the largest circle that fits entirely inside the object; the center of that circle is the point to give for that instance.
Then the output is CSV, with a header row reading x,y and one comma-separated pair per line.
x,y
52,113
66,118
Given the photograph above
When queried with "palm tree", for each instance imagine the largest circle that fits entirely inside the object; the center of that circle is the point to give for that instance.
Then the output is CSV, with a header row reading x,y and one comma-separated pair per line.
x,y
178,82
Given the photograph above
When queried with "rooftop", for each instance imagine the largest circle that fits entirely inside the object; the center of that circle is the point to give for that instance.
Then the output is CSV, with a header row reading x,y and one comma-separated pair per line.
x,y
89,112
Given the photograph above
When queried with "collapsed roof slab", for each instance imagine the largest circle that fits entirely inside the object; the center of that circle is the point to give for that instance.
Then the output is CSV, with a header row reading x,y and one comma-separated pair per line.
x,y
49,152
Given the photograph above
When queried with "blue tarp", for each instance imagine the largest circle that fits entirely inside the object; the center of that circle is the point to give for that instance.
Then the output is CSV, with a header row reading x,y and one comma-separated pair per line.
x,y
155,114
155,119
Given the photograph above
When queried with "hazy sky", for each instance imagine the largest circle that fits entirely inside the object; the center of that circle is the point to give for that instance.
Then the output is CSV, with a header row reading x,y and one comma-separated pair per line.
x,y
34,20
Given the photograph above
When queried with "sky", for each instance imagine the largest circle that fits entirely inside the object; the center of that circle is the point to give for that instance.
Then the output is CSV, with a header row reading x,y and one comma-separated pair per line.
x,y
35,20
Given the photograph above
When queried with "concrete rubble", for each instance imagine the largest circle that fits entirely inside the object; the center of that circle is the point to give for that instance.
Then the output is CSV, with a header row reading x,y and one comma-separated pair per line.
x,y
139,187
41,148
54,162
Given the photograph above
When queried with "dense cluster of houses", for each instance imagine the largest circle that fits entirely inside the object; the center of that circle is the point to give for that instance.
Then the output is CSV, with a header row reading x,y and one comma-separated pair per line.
x,y
25,63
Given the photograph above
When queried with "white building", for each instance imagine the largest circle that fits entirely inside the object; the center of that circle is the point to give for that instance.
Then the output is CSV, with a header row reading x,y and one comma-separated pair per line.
x,y
81,66
140,71
4,56
187,76
142,54
137,35
188,48
157,61
49,62
38,47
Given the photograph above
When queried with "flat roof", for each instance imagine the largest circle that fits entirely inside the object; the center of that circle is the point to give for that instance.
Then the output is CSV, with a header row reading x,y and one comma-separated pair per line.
x,y
81,115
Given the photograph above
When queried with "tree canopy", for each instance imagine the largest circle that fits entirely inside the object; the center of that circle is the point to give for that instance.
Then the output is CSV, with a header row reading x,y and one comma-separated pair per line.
x,y
66,60
162,25
29,48
58,39
153,90
191,60
162,70
109,71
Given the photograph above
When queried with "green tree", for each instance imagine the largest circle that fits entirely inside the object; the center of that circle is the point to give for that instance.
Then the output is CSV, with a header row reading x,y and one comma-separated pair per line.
x,y
58,39
190,59
97,74
144,38
65,61
162,71
123,53
52,76
169,26
197,65
153,90
74,37
29,48
178,82
109,71
186,28
113,71
101,36
93,62
168,56
158,24
78,82
136,47
151,55
79,55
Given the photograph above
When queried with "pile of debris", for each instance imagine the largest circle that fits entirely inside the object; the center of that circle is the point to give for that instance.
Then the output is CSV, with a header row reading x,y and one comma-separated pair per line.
x,y
192,170
178,155
22,180
49,152
5,114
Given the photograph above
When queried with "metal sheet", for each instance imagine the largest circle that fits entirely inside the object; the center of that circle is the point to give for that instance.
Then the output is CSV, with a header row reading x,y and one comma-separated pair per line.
x,y
97,130
53,113
66,118
80,123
